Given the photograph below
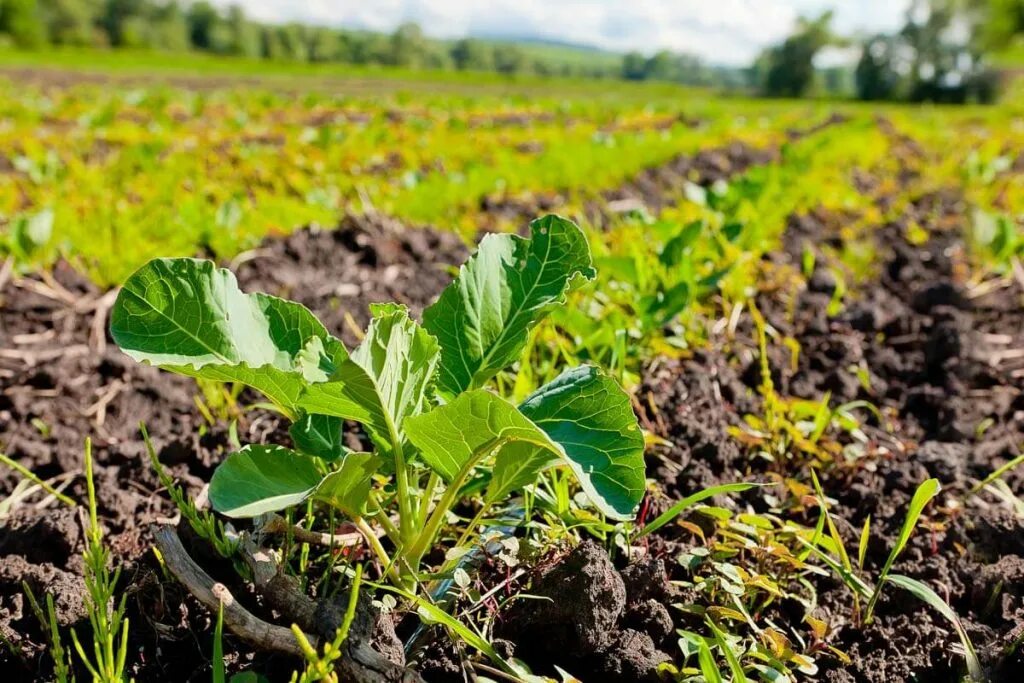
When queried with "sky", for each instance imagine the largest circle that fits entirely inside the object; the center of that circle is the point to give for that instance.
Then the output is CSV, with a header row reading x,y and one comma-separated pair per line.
x,y
728,32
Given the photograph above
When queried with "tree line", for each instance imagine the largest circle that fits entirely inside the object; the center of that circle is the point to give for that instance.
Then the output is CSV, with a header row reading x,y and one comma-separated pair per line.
x,y
938,55
200,26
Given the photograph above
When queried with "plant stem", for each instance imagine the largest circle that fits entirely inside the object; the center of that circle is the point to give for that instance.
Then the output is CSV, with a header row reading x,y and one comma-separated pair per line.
x,y
405,518
426,497
378,549
433,526
473,524
389,527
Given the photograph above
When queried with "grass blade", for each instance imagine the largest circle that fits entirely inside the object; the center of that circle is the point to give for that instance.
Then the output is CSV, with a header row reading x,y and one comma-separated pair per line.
x,y
923,592
708,667
996,474
925,492
677,509
735,668
29,475
219,675
862,547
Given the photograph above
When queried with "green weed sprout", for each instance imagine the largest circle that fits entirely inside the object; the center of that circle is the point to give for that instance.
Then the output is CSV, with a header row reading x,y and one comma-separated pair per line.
x,y
109,654
419,391
860,589
924,493
320,666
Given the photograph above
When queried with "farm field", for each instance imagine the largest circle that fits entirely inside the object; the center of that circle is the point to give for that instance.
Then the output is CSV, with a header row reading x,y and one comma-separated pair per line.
x,y
793,453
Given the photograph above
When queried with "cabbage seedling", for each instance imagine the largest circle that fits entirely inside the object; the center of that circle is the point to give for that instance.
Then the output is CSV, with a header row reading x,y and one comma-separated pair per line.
x,y
418,390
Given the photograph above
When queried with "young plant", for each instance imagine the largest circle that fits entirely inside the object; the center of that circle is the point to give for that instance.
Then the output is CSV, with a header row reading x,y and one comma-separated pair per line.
x,y
924,493
418,391
107,617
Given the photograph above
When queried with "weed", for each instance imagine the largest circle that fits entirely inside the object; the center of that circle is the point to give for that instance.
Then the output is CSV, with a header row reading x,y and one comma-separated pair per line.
x,y
106,662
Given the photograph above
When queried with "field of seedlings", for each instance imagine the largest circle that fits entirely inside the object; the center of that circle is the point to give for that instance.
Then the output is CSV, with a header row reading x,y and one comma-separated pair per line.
x,y
379,379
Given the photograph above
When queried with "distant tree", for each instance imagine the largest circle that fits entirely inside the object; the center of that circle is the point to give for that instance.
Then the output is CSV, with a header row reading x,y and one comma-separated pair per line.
x,y
947,64
239,35
21,20
472,55
407,46
876,75
202,19
165,28
634,66
68,22
509,59
788,69
270,47
937,56
368,48
661,66
320,44
436,56
114,15
293,42
1000,22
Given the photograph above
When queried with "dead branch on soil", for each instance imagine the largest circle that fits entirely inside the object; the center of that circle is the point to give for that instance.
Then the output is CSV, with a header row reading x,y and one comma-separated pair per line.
x,y
274,524
213,595
361,663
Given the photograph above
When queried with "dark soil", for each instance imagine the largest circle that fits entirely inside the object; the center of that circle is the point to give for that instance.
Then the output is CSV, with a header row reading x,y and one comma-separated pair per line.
x,y
933,353
956,406
655,188
592,618
650,190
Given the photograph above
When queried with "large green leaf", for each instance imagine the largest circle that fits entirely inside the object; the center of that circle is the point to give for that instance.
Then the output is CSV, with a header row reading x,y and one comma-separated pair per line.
x,y
517,465
583,418
482,320
190,317
319,435
389,377
591,418
260,479
456,436
348,487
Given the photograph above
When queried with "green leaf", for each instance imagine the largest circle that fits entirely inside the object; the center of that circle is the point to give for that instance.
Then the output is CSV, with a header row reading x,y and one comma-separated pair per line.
x,y
735,668
30,233
454,437
670,303
582,418
923,592
924,493
691,500
190,317
862,546
706,661
483,319
319,435
672,254
261,479
516,465
348,487
591,418
388,378
401,358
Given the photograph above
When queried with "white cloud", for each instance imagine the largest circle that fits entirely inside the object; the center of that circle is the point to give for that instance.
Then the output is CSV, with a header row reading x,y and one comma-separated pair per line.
x,y
721,31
